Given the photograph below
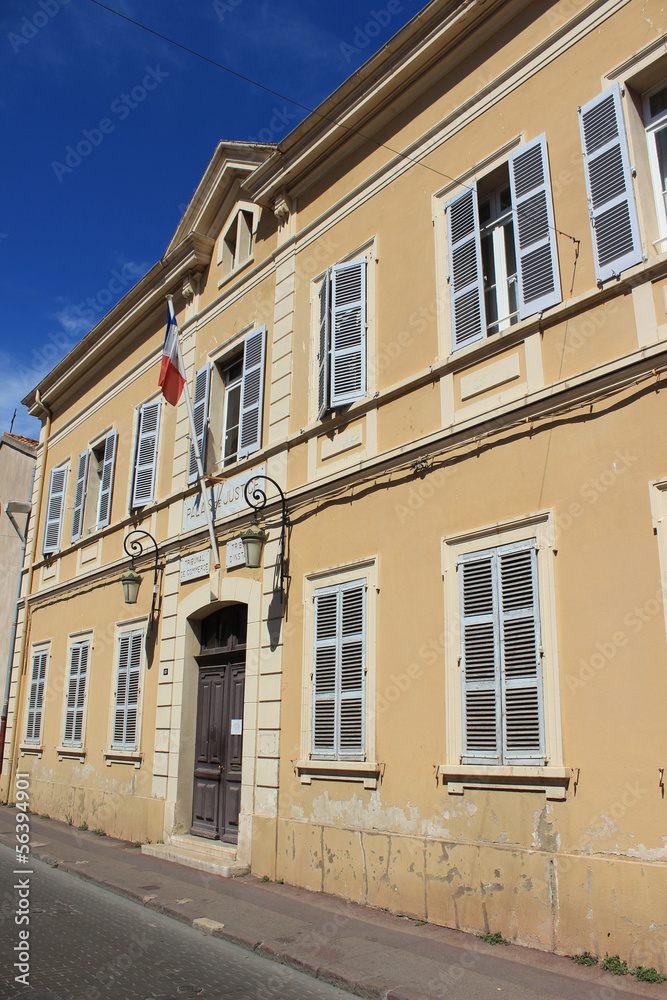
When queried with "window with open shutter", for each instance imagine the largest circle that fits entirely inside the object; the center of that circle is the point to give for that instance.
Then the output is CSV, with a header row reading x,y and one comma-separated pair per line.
x,y
106,483
200,403
33,731
126,712
611,198
80,496
76,693
143,488
54,510
252,393
339,672
466,287
501,656
348,332
534,229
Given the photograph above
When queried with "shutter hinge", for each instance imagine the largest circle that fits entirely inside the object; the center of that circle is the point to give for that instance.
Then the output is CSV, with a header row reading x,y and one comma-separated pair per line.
x,y
541,652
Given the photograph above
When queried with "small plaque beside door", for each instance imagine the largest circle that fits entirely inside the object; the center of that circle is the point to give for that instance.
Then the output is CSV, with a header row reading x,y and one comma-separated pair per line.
x,y
236,727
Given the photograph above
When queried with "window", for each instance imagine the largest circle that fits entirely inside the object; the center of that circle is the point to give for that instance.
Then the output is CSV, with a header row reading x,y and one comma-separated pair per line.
x,y
500,656
76,693
229,395
655,120
145,455
236,243
503,258
54,510
343,325
126,712
33,732
611,199
94,486
339,660
502,688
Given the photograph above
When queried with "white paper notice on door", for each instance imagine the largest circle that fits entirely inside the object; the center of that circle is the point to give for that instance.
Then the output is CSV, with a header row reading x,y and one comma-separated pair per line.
x,y
236,727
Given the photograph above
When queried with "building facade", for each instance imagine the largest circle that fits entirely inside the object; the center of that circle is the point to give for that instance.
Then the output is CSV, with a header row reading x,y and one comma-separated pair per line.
x,y
17,464
435,318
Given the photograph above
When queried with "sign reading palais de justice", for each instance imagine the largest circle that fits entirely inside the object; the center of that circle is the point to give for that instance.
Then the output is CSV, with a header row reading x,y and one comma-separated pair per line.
x,y
225,499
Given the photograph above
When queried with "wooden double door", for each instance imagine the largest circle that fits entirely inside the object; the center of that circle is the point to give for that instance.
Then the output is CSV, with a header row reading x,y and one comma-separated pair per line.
x,y
219,742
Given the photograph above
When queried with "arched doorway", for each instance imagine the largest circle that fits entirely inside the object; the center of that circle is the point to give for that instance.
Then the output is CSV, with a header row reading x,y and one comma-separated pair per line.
x,y
216,798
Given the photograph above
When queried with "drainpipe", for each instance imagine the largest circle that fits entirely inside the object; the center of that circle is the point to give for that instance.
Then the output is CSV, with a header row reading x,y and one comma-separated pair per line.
x,y
12,637
28,589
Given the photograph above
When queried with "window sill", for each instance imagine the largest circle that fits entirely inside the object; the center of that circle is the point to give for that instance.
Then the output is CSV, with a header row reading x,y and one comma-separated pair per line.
x,y
553,781
235,271
123,757
31,749
339,770
73,753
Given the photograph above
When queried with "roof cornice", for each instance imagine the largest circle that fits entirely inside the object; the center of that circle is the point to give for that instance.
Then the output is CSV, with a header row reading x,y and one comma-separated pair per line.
x,y
375,94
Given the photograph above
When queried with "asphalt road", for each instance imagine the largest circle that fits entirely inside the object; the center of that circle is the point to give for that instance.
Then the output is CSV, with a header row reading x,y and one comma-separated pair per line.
x,y
86,943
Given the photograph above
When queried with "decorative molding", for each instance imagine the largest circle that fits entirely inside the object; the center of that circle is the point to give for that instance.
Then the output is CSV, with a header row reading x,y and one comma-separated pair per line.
x,y
282,206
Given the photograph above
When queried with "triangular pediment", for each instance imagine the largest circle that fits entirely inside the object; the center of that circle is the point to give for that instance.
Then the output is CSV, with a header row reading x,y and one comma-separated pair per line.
x,y
213,198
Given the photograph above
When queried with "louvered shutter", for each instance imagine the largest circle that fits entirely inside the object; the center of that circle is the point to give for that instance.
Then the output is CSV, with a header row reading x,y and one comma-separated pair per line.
x,y
466,281
252,394
106,486
480,659
127,690
80,496
520,654
146,455
324,674
339,682
323,386
54,510
351,739
200,414
36,700
611,198
534,228
76,693
348,332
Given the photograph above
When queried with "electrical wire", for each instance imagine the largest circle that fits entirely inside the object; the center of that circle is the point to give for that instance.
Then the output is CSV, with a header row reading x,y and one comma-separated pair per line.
x,y
298,104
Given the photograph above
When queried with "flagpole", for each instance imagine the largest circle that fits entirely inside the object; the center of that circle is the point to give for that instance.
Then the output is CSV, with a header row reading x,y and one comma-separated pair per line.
x,y
195,445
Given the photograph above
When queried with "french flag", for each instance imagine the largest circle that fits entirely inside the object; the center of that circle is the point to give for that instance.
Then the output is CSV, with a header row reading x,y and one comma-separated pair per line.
x,y
172,372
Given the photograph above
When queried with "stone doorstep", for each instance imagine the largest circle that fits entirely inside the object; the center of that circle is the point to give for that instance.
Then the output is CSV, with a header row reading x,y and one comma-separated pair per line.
x,y
197,852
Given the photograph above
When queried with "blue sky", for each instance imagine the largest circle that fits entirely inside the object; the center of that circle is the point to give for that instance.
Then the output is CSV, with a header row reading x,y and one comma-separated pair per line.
x,y
77,231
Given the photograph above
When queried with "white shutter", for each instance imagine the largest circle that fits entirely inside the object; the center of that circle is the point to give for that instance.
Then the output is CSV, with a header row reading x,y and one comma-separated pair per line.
x,y
339,682
252,394
348,332
54,510
106,486
143,488
36,700
534,228
323,387
611,198
200,413
351,738
324,674
80,496
466,280
520,654
127,690
76,693
480,659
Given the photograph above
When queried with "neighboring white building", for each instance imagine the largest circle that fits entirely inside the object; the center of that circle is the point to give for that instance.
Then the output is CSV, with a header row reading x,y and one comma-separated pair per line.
x,y
17,465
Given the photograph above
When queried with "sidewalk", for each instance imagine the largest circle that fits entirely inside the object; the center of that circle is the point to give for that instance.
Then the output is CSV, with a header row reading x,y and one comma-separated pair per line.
x,y
368,952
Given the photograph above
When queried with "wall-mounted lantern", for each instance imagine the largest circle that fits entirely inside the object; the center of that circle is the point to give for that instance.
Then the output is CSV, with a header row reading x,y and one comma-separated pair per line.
x,y
255,537
131,580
